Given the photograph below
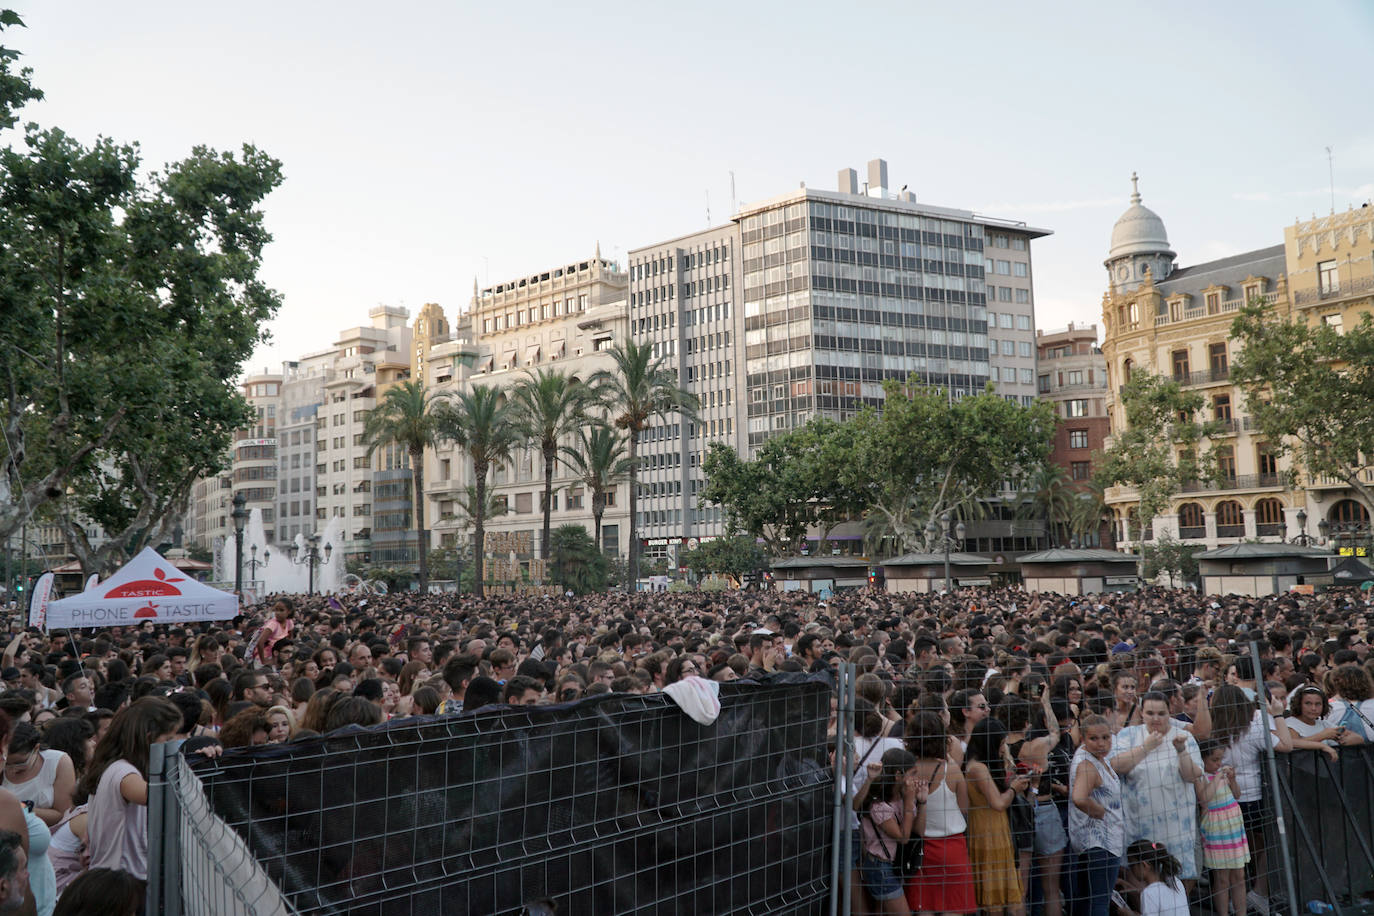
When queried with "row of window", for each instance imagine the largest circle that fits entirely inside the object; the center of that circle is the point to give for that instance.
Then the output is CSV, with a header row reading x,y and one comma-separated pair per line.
x,y
1022,348
1008,294
521,317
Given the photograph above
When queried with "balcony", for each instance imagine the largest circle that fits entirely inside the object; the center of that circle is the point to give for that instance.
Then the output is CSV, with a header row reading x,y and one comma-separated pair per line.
x,y
1201,310
1366,475
443,487
1335,292
1234,482
1203,377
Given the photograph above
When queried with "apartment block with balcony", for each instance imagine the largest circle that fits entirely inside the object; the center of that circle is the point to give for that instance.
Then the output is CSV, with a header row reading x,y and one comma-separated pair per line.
x,y
1330,263
254,469
1072,375
362,360
565,319
1176,322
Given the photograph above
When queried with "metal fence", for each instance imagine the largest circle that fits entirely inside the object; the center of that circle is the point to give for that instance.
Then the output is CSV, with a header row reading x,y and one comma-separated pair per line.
x,y
624,804
615,804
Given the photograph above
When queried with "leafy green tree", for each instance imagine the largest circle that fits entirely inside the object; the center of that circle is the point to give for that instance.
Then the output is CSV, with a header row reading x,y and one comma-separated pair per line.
x,y
1172,558
480,422
926,454
601,463
1162,446
405,417
127,312
638,390
576,562
1308,388
729,556
549,406
795,482
15,87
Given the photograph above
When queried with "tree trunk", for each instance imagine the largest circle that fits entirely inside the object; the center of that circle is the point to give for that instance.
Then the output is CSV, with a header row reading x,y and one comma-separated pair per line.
x,y
417,473
550,456
598,510
479,527
633,559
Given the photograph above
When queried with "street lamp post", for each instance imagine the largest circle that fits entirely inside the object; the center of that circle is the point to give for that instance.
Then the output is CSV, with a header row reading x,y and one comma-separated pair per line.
x,y
311,558
1303,538
947,539
239,517
254,564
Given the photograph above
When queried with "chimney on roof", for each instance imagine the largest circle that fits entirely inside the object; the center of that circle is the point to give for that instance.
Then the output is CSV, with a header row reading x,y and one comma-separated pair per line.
x,y
849,181
877,176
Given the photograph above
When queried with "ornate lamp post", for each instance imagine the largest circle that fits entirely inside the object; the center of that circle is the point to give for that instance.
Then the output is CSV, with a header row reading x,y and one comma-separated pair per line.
x,y
240,518
310,557
254,564
1302,537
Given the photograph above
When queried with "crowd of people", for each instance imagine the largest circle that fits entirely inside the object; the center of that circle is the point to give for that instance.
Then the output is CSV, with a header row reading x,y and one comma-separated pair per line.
x,y
1053,754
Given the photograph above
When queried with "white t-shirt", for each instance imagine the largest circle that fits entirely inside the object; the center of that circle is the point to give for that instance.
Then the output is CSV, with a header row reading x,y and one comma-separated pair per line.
x,y
1303,730
1160,899
1245,756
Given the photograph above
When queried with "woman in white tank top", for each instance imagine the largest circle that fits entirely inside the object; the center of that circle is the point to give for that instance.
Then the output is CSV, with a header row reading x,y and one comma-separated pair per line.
x,y
945,882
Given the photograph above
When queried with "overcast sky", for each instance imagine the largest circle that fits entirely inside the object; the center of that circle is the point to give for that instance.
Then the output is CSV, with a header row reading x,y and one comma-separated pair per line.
x,y
425,144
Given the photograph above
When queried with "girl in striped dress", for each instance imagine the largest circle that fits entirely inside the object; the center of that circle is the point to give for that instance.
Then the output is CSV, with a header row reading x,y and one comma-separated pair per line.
x,y
1224,848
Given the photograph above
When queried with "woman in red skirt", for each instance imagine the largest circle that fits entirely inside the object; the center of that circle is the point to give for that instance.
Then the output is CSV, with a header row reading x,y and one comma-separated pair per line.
x,y
945,882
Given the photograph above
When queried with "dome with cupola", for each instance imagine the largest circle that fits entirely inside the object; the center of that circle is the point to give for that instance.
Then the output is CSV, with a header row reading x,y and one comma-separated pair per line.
x,y
1139,244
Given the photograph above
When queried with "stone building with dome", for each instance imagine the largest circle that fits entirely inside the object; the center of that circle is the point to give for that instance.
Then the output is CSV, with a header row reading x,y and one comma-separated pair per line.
x,y
1176,321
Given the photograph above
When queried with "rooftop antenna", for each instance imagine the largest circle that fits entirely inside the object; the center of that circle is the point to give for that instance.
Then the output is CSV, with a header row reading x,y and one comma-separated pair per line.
x,y
708,207
734,208
1331,177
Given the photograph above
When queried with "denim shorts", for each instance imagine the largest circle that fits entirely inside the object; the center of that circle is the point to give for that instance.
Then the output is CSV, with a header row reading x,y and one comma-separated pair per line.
x,y
880,880
1049,830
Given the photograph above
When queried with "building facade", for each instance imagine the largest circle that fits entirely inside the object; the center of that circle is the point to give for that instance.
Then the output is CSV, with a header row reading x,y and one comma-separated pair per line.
x,y
562,319
803,306
1072,375
1176,322
254,470
683,300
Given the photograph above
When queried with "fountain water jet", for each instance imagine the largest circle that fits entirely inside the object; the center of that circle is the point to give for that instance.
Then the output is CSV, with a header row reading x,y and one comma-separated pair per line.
x,y
280,572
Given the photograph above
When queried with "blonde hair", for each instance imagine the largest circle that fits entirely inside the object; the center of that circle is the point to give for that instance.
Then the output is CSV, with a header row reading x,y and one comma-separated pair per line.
x,y
290,717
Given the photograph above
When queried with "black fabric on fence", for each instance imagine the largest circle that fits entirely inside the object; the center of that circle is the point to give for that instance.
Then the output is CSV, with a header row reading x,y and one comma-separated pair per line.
x,y
614,804
1330,822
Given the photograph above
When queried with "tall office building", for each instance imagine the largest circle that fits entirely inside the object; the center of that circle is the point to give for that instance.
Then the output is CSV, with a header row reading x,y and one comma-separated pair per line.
x,y
683,300
804,305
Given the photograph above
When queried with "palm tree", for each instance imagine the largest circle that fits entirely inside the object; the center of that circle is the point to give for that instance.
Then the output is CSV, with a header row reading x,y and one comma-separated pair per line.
x,y
406,417
601,464
548,406
492,507
1089,510
1048,495
637,390
479,421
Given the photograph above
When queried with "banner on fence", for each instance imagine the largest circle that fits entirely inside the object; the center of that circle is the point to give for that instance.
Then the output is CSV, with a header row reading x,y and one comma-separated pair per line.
x,y
615,804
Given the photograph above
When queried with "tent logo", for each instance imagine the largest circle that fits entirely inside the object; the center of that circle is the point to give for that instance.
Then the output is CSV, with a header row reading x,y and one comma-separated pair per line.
x,y
147,588
148,610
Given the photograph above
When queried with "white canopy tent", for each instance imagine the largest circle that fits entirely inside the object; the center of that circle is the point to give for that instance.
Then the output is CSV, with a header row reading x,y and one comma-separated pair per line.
x,y
146,588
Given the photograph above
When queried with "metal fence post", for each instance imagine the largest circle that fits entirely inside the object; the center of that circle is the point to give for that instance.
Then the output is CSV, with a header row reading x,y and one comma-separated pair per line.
x,y
164,836
1276,797
844,764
